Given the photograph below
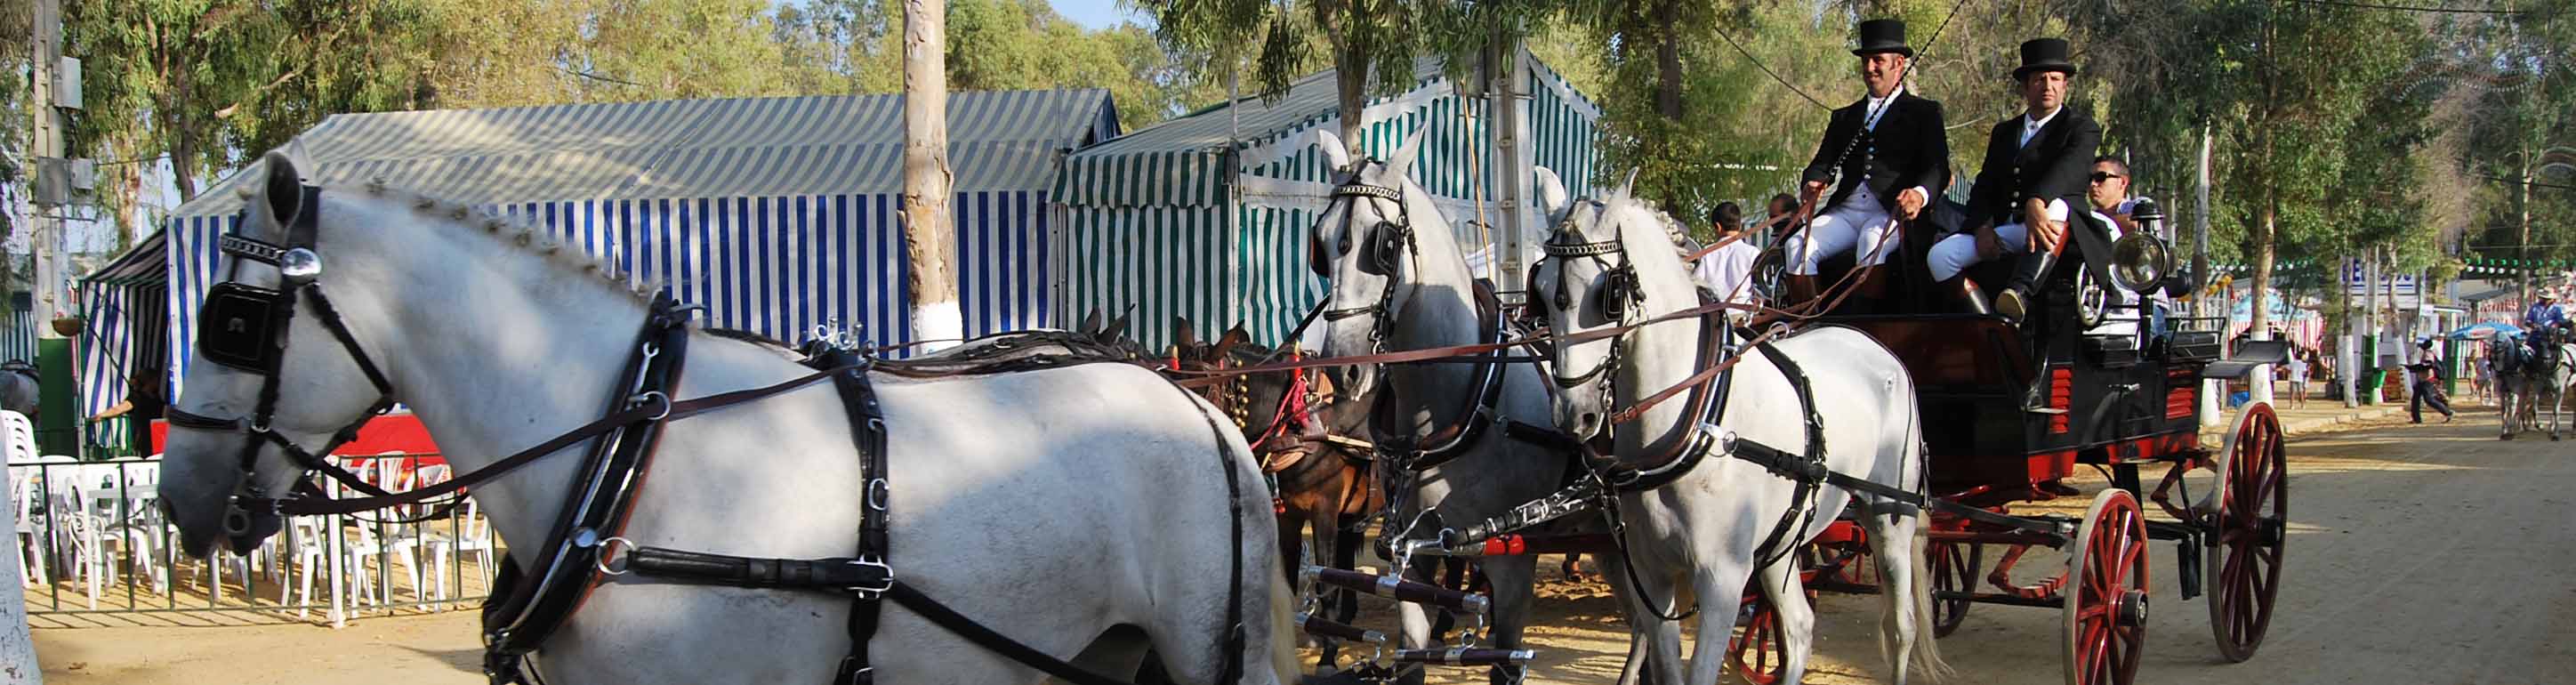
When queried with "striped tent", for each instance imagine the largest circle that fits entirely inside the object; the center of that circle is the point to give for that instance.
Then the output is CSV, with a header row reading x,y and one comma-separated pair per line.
x,y
777,214
1203,216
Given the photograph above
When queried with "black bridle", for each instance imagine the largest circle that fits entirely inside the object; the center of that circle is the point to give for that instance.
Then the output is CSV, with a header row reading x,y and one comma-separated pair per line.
x,y
1386,242
244,327
1621,294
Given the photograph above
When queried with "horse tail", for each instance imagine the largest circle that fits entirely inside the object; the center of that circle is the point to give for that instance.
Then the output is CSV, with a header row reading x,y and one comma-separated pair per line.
x,y
1283,643
1927,647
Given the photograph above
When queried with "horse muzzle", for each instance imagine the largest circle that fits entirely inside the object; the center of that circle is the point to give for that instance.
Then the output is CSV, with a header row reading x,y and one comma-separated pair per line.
x,y
247,523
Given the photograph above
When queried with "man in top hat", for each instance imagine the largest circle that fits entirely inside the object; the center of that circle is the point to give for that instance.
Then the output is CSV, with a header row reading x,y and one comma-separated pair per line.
x,y
2034,171
1890,154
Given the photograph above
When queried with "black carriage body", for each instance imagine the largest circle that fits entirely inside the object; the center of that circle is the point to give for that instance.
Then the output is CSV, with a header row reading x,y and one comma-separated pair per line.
x,y
2004,407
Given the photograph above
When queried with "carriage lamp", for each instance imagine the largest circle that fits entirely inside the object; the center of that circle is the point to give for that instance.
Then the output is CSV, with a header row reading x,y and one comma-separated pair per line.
x,y
2140,260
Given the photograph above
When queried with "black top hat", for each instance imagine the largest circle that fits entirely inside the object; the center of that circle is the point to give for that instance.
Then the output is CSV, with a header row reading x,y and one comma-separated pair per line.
x,y
2043,54
1882,35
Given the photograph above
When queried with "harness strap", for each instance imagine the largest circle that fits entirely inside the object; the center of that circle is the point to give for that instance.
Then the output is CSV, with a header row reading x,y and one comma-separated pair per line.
x,y
672,411
867,424
616,467
1808,475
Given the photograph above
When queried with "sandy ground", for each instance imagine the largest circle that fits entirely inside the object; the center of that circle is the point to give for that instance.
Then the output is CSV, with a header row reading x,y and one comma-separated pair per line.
x,y
2425,554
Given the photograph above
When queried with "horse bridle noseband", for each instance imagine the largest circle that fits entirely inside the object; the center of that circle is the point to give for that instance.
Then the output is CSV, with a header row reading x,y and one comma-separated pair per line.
x,y
244,327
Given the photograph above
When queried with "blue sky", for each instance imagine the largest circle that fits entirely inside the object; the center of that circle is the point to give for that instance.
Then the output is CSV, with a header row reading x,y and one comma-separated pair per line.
x,y
1098,14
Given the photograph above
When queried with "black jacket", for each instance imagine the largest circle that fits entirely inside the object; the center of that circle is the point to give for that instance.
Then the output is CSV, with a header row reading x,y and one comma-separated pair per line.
x,y
2053,166
1908,148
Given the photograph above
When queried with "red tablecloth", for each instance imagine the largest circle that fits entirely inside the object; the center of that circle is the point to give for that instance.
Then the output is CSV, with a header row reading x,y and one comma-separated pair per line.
x,y
388,433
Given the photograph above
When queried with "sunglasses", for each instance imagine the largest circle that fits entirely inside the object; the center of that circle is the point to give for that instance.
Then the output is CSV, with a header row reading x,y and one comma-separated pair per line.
x,y
2100,176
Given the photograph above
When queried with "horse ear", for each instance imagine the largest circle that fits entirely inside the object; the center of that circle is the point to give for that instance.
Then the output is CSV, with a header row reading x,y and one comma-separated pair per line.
x,y
1552,200
1404,156
1334,151
1225,344
1113,330
283,189
1627,187
1181,333
1090,323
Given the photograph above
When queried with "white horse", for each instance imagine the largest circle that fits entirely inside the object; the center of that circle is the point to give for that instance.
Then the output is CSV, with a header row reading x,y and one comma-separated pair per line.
x,y
1610,264
1400,282
1002,503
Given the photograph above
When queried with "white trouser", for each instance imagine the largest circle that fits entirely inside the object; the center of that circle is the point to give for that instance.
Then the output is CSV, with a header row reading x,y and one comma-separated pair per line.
x,y
1958,251
1857,222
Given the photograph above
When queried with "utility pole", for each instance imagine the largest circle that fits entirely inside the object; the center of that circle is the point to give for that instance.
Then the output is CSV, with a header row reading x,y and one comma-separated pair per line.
x,y
48,147
17,646
928,236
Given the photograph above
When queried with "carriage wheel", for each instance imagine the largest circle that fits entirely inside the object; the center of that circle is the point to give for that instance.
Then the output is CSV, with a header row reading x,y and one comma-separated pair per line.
x,y
1954,569
2106,592
1756,653
2254,508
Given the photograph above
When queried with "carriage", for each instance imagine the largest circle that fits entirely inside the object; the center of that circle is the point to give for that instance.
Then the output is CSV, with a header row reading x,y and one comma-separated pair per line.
x,y
2008,410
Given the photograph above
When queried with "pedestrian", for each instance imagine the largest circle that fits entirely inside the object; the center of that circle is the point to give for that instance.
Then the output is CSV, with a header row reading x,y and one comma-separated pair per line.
x,y
1727,270
2427,391
2298,366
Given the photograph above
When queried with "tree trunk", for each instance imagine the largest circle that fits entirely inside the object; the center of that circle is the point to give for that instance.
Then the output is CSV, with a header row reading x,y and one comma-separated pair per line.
x,y
1668,60
1350,66
1350,75
2261,320
927,236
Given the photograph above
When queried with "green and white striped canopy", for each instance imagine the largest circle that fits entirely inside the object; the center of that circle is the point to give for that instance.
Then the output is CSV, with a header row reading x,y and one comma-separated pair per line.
x,y
1203,216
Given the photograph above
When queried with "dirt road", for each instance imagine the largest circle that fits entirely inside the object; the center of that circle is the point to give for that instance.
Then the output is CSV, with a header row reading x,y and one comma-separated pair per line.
x,y
2431,554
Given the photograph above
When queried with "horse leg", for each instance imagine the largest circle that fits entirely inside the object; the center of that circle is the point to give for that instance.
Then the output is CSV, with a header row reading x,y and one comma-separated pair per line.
x,y
1719,585
1328,541
1898,540
1787,594
1655,644
1513,595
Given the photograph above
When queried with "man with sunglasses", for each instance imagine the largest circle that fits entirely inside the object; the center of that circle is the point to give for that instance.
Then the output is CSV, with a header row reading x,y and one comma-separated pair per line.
x,y
2109,194
2034,171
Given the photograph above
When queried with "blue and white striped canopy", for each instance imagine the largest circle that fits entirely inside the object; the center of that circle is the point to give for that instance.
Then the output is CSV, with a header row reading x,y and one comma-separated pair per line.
x,y
778,214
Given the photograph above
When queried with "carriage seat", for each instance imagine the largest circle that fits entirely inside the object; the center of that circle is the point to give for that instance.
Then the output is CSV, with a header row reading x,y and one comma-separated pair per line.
x,y
2249,355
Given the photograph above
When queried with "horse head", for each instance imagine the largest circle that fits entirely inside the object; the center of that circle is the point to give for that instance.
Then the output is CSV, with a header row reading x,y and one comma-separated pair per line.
x,y
1607,260
1368,242
250,425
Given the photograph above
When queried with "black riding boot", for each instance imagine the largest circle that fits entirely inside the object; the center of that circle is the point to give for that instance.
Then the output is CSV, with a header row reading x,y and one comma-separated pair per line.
x,y
2014,303
1971,298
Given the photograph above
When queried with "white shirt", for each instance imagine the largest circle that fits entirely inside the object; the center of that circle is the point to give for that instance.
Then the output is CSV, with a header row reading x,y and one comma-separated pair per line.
x,y
1729,271
1876,109
2030,127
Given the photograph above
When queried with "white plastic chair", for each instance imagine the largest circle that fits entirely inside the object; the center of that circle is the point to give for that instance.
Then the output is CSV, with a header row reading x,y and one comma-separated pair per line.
x,y
32,537
449,543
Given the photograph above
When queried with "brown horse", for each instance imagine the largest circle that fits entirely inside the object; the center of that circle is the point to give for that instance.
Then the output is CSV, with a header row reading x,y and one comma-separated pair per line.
x,y
1291,422
1303,434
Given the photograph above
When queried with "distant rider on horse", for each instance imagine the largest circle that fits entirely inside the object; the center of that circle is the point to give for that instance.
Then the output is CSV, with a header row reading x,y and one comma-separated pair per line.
x,y
2543,323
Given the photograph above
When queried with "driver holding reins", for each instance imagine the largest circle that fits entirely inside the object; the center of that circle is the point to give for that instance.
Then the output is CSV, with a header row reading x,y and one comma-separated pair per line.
x,y
2543,315
1891,155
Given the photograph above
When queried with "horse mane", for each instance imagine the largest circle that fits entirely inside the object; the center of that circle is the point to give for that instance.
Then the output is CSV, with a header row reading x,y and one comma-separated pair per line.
x,y
529,238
